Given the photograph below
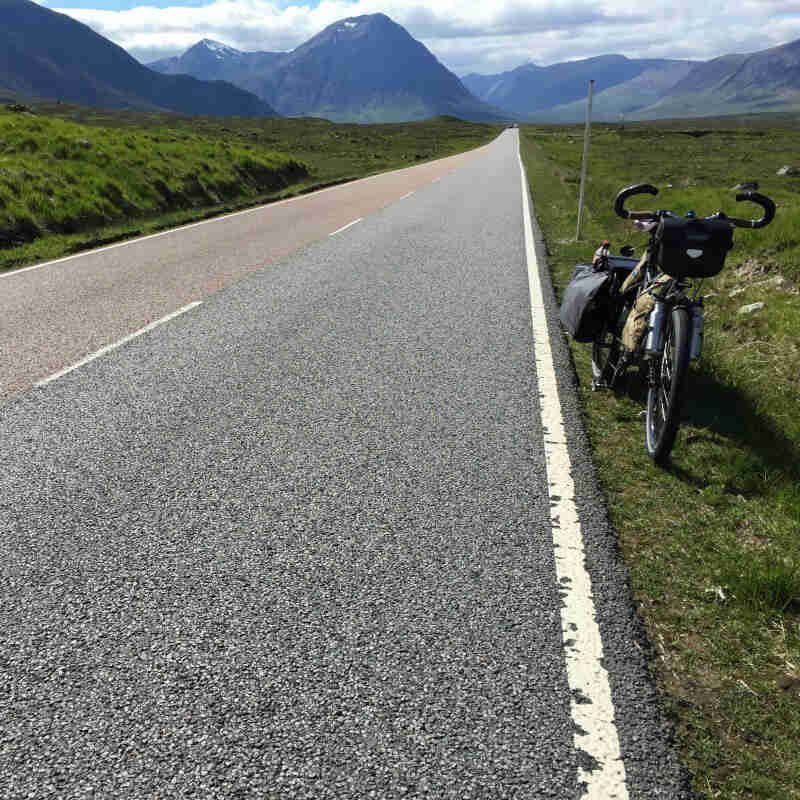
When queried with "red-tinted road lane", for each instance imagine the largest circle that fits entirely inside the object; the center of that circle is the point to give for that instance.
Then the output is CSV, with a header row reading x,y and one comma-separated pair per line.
x,y
55,314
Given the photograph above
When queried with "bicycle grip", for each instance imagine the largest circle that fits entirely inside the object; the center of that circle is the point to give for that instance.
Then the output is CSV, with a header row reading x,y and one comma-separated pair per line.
x,y
639,188
759,199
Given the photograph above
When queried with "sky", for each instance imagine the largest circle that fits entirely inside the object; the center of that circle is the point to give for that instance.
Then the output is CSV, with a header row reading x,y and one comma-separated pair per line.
x,y
465,35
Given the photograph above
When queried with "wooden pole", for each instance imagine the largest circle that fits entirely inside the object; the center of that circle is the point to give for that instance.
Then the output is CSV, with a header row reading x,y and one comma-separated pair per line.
x,y
586,134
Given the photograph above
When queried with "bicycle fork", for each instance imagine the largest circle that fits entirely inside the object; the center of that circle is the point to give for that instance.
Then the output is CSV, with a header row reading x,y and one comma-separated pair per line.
x,y
696,328
654,342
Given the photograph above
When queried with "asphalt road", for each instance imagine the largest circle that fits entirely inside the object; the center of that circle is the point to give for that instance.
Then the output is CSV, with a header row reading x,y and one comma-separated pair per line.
x,y
54,315
297,541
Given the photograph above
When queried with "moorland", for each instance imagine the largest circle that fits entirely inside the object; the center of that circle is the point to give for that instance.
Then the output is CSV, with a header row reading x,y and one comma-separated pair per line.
x,y
712,543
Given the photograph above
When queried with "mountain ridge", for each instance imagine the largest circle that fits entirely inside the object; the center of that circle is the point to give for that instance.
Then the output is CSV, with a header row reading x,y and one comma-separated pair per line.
x,y
767,80
50,55
541,90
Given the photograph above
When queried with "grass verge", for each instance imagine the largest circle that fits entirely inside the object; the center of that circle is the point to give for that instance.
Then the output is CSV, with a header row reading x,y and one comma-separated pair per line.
x,y
711,542
73,178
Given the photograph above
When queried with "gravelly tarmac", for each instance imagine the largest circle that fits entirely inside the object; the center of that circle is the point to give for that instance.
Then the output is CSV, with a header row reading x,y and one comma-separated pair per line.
x,y
53,316
296,542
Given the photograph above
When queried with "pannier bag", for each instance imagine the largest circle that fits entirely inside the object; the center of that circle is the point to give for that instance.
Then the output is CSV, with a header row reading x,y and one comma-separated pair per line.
x,y
692,248
583,308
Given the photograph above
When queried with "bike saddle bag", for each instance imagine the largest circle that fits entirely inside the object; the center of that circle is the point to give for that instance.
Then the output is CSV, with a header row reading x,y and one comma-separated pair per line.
x,y
692,248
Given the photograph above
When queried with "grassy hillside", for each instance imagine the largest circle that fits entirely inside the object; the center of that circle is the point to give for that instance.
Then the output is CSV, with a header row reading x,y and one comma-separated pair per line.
x,y
73,177
712,543
61,177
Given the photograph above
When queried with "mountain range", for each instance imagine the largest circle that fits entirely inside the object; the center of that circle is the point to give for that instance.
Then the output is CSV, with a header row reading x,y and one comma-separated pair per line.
x,y
344,74
531,88
768,80
360,69
370,69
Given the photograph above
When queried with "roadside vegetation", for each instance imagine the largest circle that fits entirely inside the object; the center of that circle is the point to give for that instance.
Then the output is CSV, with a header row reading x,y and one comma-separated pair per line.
x,y
73,178
713,542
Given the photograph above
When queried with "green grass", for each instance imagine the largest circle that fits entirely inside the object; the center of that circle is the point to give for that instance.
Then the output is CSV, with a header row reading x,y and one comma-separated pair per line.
x,y
713,542
60,177
73,178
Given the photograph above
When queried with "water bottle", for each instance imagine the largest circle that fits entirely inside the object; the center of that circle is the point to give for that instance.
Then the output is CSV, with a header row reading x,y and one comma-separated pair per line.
x,y
600,260
654,345
696,326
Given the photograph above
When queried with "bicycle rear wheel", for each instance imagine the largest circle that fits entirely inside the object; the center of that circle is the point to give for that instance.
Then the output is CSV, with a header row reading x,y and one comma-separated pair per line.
x,y
605,354
607,346
667,387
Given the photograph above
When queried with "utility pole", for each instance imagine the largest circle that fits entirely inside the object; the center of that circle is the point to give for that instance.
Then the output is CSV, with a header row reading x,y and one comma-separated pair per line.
x,y
586,135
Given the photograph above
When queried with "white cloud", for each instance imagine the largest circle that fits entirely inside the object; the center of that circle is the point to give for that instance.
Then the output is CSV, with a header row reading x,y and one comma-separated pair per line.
x,y
467,36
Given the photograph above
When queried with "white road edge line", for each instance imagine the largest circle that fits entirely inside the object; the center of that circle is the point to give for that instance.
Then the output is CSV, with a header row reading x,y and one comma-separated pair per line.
x,y
591,706
108,348
345,227
406,195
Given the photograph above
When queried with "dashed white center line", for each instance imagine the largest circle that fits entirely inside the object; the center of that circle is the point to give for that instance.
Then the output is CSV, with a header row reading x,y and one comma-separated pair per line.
x,y
345,227
591,707
115,345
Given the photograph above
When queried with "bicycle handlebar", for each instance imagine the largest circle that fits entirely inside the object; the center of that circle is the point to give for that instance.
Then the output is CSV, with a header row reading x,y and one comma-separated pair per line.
x,y
645,188
759,199
639,188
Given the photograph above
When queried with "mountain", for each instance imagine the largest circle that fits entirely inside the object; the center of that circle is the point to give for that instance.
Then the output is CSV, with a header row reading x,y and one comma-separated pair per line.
x,y
624,100
207,57
768,80
210,60
48,55
530,88
708,74
360,69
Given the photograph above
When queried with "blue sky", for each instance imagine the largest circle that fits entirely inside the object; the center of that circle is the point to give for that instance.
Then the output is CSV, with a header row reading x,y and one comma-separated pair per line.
x,y
465,35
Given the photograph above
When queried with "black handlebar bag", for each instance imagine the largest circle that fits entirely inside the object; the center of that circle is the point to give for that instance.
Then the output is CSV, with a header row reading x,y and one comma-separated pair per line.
x,y
692,248
583,309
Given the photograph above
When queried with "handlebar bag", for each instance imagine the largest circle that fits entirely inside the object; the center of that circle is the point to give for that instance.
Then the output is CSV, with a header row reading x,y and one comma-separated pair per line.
x,y
583,307
692,248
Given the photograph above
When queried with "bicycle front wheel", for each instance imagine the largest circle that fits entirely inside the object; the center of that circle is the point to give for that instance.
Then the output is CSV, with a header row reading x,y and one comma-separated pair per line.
x,y
667,387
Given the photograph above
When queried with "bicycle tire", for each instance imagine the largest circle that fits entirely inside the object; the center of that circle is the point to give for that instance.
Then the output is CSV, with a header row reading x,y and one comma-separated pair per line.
x,y
665,398
605,352
607,347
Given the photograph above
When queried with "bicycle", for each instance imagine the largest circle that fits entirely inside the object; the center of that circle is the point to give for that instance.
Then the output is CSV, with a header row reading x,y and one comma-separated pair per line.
x,y
665,294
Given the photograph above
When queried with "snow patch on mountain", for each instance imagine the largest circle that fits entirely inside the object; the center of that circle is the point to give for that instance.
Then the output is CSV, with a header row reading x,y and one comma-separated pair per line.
x,y
219,49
